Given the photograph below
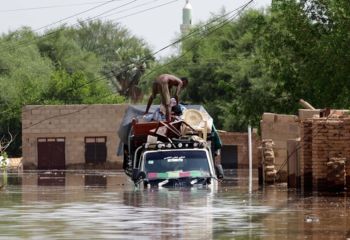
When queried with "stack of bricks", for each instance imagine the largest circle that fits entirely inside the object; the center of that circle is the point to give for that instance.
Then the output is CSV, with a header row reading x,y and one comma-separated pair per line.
x,y
268,161
330,148
336,175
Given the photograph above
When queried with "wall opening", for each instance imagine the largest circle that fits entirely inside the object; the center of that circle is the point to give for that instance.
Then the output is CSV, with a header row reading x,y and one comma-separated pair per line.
x,y
229,158
95,149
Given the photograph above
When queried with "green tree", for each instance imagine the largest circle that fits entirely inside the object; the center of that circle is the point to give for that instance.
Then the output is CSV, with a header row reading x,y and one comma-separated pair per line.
x,y
65,88
24,76
66,53
125,57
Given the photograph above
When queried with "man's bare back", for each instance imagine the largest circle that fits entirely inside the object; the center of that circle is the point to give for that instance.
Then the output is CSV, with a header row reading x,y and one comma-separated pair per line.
x,y
163,85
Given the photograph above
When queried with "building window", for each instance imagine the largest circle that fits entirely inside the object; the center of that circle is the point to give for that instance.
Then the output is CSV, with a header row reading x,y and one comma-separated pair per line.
x,y
95,149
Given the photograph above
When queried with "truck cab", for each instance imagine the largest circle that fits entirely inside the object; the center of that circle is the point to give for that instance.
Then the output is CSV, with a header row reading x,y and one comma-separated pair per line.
x,y
171,165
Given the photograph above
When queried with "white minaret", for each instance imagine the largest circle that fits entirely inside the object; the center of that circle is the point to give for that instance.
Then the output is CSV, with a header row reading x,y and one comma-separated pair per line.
x,y
186,17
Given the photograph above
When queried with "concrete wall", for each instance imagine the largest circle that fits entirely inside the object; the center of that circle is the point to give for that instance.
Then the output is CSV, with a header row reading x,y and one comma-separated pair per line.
x,y
74,123
241,141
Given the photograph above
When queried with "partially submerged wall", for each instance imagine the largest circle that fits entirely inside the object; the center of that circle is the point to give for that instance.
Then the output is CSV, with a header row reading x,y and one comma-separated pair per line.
x,y
241,141
279,128
325,141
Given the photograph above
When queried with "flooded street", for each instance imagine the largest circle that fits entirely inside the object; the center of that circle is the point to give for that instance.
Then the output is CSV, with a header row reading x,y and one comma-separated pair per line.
x,y
95,205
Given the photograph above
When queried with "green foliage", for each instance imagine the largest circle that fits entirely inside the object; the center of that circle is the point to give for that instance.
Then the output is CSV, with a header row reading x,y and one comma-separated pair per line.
x,y
125,57
4,157
65,88
66,53
310,51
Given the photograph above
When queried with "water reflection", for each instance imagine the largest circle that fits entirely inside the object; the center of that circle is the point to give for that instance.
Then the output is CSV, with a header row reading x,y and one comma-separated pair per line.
x,y
100,205
96,181
52,179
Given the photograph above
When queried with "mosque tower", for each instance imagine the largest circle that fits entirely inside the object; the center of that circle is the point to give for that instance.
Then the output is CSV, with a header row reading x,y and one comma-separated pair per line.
x,y
186,17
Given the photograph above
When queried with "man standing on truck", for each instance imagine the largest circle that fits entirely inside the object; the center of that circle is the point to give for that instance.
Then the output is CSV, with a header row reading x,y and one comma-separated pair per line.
x,y
163,85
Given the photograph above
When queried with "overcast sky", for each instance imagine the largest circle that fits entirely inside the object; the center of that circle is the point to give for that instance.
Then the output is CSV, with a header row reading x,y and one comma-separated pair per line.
x,y
156,21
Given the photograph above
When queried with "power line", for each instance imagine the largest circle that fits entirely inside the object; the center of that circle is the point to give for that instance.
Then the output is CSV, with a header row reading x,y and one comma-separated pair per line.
x,y
27,43
145,10
75,15
108,11
52,6
125,10
48,35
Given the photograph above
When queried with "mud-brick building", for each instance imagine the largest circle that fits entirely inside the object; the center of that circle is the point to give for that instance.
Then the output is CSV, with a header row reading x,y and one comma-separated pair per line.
x,y
324,156
71,136
234,152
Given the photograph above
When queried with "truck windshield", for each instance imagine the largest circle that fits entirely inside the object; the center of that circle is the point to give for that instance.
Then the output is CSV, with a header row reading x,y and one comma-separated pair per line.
x,y
176,164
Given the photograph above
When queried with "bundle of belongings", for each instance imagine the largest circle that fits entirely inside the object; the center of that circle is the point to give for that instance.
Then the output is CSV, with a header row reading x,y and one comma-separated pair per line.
x,y
159,113
194,116
197,119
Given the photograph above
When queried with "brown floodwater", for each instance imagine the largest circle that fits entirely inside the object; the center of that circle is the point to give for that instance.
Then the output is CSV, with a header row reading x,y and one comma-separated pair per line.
x,y
106,205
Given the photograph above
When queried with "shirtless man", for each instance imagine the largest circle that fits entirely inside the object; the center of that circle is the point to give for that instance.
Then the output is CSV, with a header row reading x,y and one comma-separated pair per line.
x,y
163,85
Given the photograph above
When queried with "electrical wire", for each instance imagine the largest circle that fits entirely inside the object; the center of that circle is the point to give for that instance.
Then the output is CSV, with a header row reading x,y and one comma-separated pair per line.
x,y
125,10
137,6
75,15
145,10
110,10
48,35
52,6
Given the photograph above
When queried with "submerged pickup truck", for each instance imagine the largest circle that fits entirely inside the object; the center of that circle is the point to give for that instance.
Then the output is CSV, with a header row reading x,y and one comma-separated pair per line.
x,y
169,154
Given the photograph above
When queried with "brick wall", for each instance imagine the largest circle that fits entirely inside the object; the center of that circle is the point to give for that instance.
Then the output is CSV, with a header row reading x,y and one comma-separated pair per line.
x,y
322,140
306,154
241,141
74,123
